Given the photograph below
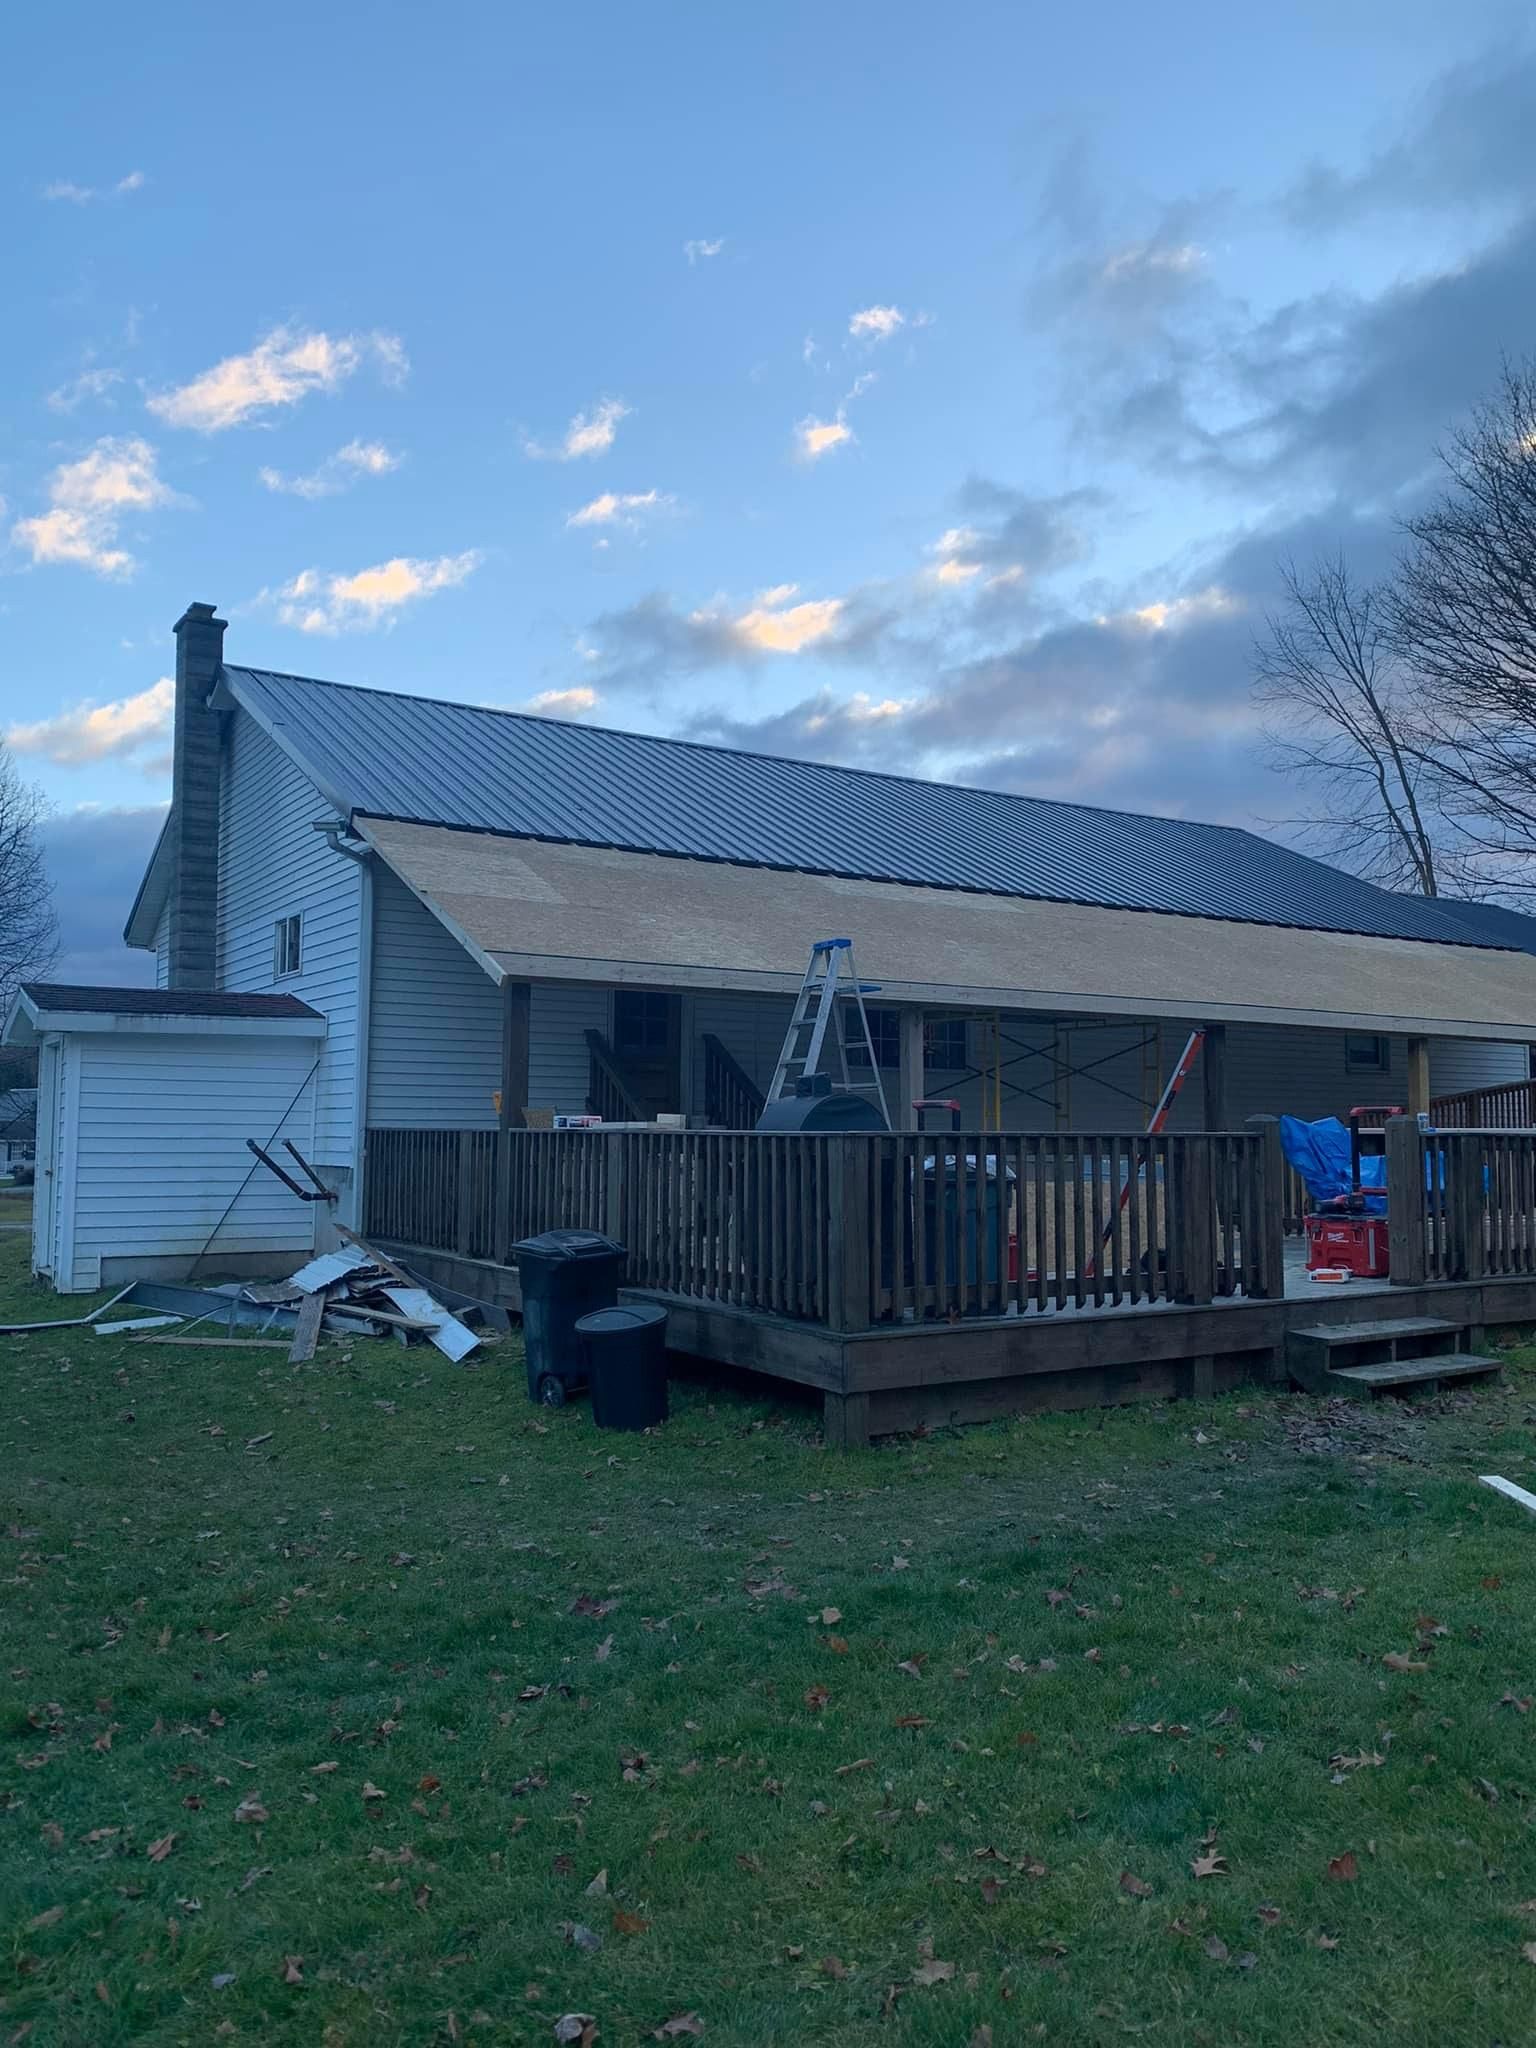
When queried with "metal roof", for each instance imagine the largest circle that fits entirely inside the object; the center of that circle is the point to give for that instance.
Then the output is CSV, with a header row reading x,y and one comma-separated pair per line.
x,y
381,754
1489,924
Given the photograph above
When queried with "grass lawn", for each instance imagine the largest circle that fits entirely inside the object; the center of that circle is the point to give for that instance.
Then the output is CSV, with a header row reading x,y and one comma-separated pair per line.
x,y
15,1204
362,1703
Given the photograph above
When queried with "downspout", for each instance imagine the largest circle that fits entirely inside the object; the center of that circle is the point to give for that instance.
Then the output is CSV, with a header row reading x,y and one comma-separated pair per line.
x,y
340,840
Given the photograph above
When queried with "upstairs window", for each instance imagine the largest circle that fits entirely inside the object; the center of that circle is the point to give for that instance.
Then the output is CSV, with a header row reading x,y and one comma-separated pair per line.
x,y
1364,1053
642,1023
287,946
944,1046
884,1032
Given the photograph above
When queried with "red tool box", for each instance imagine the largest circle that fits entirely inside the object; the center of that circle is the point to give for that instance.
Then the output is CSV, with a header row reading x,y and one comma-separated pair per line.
x,y
1340,1235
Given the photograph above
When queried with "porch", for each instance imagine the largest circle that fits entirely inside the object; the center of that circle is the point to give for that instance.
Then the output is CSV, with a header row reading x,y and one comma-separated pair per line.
x,y
919,1278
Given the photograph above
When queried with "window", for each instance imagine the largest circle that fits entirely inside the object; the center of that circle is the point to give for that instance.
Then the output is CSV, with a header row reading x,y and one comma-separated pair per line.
x,y
944,1046
884,1032
642,1022
1365,1053
287,946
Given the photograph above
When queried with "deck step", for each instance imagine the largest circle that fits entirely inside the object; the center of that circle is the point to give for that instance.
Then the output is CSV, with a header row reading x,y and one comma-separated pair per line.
x,y
1381,1332
1415,1372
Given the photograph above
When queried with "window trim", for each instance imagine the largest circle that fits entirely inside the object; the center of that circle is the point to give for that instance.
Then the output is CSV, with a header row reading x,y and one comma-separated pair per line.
x,y
288,946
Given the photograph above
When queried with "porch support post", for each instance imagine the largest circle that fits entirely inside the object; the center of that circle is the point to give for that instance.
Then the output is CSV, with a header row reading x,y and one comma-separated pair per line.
x,y
1213,1055
1271,1206
516,1009
1407,1260
1418,1076
910,1079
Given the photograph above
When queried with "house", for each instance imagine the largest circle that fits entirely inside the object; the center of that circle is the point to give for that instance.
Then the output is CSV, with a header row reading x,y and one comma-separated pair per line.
x,y
18,1126
498,916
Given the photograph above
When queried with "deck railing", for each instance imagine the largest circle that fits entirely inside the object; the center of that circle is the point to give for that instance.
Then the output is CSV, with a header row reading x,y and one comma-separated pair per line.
x,y
1508,1105
1461,1204
861,1229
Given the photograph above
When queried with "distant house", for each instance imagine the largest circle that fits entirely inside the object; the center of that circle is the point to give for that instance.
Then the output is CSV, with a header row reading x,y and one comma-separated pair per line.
x,y
496,914
18,1127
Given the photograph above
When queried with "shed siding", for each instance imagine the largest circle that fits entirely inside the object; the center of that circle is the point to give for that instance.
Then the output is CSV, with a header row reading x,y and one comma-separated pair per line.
x,y
434,1055
272,864
159,1152
163,951
1457,1063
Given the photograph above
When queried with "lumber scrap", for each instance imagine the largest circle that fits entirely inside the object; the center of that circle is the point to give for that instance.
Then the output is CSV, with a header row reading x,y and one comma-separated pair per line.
x,y
307,1332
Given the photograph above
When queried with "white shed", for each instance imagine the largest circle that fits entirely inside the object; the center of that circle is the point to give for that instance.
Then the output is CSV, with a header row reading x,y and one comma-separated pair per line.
x,y
146,1098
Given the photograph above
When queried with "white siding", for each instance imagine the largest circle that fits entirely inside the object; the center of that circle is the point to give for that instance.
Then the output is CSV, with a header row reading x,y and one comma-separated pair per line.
x,y
434,1028
273,864
562,1013
154,1140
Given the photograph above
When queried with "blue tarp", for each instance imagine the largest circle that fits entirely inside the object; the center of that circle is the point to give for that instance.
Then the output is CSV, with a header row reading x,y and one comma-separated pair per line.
x,y
1320,1153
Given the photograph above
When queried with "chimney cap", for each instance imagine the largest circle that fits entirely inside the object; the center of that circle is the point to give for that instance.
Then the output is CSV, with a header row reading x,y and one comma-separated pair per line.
x,y
199,615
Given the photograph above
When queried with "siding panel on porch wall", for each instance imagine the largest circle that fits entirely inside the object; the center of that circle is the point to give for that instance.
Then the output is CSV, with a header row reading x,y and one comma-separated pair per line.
x,y
434,1055
561,1015
272,864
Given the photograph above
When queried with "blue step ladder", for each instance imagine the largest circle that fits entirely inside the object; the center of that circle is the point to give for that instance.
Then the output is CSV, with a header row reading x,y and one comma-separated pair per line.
x,y
831,980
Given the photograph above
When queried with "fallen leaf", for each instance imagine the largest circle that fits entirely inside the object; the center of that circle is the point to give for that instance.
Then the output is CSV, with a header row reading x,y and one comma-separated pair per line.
x,y
1211,1864
422,1897
585,1604
576,2026
982,2038
838,1645
53,1914
370,1790
901,1564
581,1937
159,1849
1216,1948
1396,1661
932,1972
251,1809
1270,1916
834,1966
102,1992
429,1784
599,1885
1134,1885
830,1616
293,1969
222,1980
863,1763
604,1650
629,1923
320,1770
100,1834
1527,1949
816,1697
991,1889
1327,1941
680,2023
1344,1869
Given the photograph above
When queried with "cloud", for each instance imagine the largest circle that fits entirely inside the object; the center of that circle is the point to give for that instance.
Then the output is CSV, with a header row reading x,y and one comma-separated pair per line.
x,y
775,626
876,323
280,370
621,508
95,856
337,472
654,641
88,384
568,704
66,190
1466,145
590,433
323,603
700,251
88,501
91,732
815,438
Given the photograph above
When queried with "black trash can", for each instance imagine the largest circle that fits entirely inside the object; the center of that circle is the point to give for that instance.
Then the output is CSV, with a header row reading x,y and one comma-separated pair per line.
x,y
626,1351
564,1274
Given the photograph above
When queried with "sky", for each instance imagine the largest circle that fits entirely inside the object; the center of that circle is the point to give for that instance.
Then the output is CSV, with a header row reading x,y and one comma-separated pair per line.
x,y
937,392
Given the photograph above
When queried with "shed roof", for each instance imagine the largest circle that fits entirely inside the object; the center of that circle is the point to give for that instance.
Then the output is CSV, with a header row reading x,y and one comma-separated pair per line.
x,y
44,1006
378,753
543,912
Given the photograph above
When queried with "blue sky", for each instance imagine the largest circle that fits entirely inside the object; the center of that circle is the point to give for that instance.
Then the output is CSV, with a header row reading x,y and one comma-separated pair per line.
x,y
934,392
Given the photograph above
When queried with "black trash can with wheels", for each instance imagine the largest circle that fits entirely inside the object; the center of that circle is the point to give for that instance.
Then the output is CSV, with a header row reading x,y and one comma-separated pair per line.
x,y
563,1274
626,1349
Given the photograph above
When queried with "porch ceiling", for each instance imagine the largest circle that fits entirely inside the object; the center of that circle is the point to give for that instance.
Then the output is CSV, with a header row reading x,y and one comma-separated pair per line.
x,y
530,910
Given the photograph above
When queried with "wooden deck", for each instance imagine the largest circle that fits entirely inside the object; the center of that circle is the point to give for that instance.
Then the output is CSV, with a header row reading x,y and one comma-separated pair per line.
x,y
804,1261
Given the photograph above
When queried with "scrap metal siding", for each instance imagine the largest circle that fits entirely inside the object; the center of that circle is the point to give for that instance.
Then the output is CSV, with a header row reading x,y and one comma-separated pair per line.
x,y
272,864
390,756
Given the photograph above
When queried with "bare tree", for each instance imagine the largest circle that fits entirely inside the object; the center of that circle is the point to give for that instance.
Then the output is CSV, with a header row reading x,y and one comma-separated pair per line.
x,y
1339,720
1462,613
28,929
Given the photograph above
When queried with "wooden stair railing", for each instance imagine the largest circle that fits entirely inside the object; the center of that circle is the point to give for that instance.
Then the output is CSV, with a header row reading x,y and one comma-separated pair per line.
x,y
609,1094
732,1099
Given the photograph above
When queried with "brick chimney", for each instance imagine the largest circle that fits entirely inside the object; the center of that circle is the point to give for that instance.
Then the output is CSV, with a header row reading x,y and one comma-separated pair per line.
x,y
193,907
